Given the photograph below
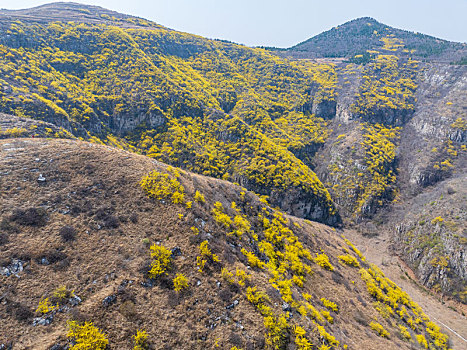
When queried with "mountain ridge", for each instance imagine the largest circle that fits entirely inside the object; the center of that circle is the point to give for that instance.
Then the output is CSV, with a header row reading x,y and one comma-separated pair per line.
x,y
74,11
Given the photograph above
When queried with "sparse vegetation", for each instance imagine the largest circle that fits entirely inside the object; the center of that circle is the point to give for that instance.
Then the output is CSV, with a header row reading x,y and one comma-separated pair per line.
x,y
205,256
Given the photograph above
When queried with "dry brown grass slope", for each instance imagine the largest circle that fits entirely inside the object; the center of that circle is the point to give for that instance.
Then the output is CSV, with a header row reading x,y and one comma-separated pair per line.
x,y
49,184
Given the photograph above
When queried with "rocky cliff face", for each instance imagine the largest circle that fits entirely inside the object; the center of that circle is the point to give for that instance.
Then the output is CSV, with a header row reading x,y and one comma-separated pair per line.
x,y
428,160
431,237
437,130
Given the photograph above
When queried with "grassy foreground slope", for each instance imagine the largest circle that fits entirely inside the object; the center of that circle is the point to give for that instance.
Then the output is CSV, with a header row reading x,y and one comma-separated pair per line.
x,y
79,224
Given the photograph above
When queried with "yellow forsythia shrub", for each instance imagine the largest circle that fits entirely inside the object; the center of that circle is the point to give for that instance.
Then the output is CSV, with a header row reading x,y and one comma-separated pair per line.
x,y
379,329
162,258
180,282
349,260
86,336
253,260
160,186
205,256
45,306
422,340
199,197
141,340
323,261
328,304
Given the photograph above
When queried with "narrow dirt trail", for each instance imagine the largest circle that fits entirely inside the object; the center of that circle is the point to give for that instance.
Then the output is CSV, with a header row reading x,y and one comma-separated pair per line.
x,y
377,251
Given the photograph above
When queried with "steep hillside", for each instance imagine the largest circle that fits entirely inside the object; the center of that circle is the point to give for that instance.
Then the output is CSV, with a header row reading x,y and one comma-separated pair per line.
x,y
355,38
431,233
12,126
216,108
227,271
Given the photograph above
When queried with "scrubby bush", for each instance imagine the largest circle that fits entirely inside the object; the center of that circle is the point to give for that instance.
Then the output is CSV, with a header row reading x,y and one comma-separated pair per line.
x,y
62,293
404,333
328,304
323,261
436,220
349,260
220,217
227,275
111,221
105,215
205,256
422,340
20,311
355,249
199,197
161,262
7,227
253,260
327,315
379,329
440,339
242,277
86,336
277,331
328,337
141,340
128,309
242,226
68,233
385,310
134,218
3,238
45,306
30,216
161,186
301,342
256,296
180,282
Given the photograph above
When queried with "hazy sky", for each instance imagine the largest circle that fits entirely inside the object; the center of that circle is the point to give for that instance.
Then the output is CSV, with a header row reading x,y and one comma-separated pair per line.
x,y
284,23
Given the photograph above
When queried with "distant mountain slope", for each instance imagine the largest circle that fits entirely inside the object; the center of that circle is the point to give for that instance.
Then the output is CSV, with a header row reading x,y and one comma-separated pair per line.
x,y
216,108
358,36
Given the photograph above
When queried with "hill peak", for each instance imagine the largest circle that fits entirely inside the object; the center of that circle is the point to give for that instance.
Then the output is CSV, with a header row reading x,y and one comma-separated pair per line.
x,y
359,35
363,20
67,7
72,12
